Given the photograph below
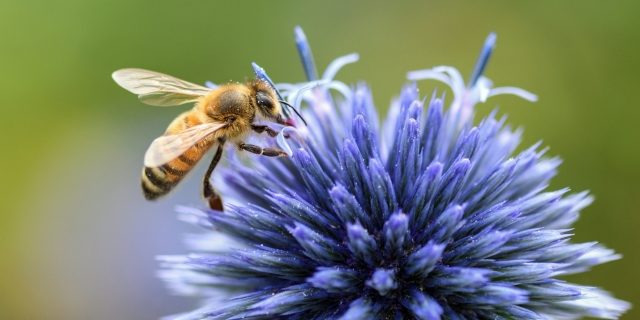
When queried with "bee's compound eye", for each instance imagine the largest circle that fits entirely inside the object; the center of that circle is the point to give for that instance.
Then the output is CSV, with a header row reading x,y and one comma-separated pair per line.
x,y
264,100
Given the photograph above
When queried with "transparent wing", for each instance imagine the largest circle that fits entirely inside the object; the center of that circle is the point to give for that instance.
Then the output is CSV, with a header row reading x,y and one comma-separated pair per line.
x,y
169,147
158,89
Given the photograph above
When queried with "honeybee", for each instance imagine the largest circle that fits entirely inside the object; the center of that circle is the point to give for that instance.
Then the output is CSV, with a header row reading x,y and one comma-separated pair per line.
x,y
222,115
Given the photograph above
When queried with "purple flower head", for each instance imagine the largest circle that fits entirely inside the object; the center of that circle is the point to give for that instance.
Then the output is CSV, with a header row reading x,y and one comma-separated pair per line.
x,y
425,216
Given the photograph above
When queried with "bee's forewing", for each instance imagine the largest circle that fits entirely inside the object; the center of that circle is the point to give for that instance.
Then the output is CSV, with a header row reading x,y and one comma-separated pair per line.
x,y
158,89
169,147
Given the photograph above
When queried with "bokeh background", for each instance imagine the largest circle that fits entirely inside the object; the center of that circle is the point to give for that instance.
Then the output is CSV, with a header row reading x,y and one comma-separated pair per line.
x,y
77,239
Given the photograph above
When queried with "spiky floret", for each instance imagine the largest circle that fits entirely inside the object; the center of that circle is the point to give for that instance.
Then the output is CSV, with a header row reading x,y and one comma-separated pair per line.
x,y
425,217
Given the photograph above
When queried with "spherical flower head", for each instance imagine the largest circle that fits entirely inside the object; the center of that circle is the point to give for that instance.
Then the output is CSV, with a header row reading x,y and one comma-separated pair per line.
x,y
426,216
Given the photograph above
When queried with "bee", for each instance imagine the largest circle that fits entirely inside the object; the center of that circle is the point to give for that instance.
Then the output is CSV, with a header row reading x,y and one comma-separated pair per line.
x,y
226,114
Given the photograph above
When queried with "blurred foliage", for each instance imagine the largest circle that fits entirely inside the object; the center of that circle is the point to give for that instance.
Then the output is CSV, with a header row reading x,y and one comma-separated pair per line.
x,y
79,241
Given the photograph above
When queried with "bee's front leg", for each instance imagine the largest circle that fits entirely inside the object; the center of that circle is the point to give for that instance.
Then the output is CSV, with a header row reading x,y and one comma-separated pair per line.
x,y
262,128
267,152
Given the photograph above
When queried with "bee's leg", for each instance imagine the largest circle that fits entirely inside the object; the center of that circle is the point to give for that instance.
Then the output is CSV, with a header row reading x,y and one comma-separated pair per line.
x,y
262,128
268,152
215,202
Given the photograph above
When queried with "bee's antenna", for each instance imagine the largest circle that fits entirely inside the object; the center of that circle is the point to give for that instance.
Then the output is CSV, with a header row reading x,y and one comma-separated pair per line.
x,y
294,110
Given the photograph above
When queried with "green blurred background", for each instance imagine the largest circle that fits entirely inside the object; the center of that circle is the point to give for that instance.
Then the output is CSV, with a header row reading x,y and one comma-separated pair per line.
x,y
78,240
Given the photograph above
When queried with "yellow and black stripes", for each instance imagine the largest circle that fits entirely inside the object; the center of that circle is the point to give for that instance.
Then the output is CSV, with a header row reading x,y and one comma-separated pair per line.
x,y
158,181
186,160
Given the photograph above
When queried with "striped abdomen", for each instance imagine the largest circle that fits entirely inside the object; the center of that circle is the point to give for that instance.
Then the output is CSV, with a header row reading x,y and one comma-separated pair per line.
x,y
158,181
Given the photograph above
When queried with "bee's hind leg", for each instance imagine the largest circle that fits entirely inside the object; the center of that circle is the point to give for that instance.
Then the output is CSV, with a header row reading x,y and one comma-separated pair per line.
x,y
210,194
214,201
267,152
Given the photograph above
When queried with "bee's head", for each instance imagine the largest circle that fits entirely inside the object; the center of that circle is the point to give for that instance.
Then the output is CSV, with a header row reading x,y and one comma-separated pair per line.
x,y
266,101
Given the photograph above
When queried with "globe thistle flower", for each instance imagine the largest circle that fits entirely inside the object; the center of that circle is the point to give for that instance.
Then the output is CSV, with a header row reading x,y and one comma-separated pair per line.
x,y
425,216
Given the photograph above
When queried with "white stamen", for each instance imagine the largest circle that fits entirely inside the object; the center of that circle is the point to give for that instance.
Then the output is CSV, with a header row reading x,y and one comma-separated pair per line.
x,y
281,141
524,94
429,75
295,98
483,89
285,87
481,92
342,88
337,64
457,83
